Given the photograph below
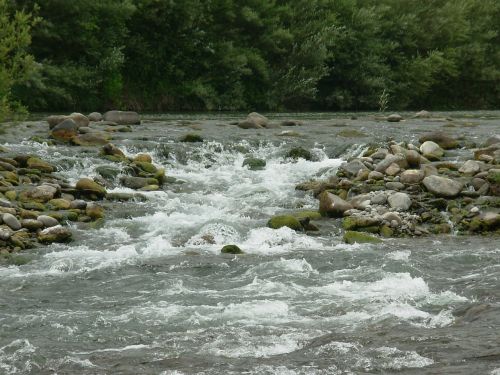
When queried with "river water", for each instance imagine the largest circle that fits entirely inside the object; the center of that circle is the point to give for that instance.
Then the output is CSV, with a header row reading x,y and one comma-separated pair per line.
x,y
150,293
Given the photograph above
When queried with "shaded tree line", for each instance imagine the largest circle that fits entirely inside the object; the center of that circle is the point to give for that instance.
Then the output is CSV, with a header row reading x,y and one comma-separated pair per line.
x,y
253,54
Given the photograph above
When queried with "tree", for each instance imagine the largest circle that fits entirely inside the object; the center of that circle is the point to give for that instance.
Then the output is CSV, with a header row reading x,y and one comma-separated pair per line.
x,y
16,64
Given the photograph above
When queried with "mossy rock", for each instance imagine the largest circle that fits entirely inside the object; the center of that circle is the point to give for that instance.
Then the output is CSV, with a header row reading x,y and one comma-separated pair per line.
x,y
231,249
36,163
11,195
254,164
59,204
55,234
146,167
386,231
87,186
108,173
94,211
352,237
312,215
299,153
191,138
33,206
280,221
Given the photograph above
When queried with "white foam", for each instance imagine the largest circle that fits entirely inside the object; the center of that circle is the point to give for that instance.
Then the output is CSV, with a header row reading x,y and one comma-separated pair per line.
x,y
267,240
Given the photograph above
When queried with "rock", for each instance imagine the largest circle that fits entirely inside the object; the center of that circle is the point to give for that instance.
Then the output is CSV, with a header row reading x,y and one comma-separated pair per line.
x,y
299,153
360,202
146,167
399,201
332,205
191,138
143,158
394,118
352,237
422,114
392,216
31,224
138,182
392,170
289,221
399,159
85,130
359,222
254,120
43,193
47,221
413,158
5,203
88,186
91,139
412,176
231,249
442,139
442,186
493,152
379,199
381,153
487,221
11,221
429,170
54,234
394,185
374,175
353,167
112,150
65,130
470,167
55,120
431,150
494,179
94,211
122,117
5,234
291,123
95,117
78,204
492,140
79,119
254,164
60,204
108,173
36,163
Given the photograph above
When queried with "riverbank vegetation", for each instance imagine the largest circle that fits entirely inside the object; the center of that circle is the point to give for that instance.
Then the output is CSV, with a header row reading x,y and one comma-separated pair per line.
x,y
150,55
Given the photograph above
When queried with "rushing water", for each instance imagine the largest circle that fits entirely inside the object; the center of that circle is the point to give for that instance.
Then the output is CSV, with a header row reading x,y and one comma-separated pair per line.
x,y
150,293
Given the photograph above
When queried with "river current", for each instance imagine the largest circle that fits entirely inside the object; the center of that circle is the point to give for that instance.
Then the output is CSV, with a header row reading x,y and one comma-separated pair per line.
x,y
149,292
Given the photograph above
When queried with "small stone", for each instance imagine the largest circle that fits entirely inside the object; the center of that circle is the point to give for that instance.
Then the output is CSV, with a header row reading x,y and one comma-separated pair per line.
x,y
11,221
36,163
380,199
95,117
31,224
60,204
431,150
413,158
138,182
87,186
394,185
146,158
94,211
79,204
353,167
392,170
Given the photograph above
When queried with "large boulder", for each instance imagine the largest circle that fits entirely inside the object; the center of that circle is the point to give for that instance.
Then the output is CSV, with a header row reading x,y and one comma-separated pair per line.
x,y
442,186
444,140
332,205
254,120
122,117
65,130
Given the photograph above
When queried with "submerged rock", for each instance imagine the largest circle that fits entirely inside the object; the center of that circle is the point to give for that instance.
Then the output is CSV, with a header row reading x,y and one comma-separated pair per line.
x,y
254,164
299,153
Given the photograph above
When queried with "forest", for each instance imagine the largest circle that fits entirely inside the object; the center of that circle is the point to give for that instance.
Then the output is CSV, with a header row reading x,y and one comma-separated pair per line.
x,y
223,55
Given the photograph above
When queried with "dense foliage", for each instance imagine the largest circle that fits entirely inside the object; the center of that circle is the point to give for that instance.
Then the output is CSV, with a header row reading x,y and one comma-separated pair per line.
x,y
260,54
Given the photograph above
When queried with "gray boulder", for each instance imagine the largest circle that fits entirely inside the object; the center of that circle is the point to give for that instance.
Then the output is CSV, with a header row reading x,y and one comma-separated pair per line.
x,y
122,117
442,186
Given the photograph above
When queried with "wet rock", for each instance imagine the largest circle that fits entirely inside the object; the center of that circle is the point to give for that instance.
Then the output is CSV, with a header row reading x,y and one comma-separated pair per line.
x,y
379,198
95,117
122,117
280,221
412,176
254,164
111,150
65,130
108,173
55,120
91,139
5,234
332,205
124,197
47,221
88,186
486,221
191,138
413,158
470,167
11,221
399,201
54,234
59,204
491,152
145,158
231,249
444,140
138,182
431,150
492,140
353,167
43,193
43,166
380,154
352,237
442,186
299,153
360,222
254,120
94,211
394,118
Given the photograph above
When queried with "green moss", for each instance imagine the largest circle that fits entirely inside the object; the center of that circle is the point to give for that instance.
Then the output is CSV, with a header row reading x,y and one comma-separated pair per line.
x,y
289,221
231,249
386,231
254,164
191,138
145,166
352,237
299,153
494,176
